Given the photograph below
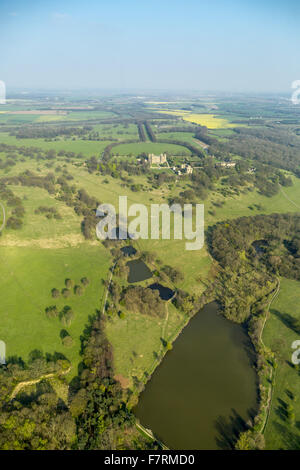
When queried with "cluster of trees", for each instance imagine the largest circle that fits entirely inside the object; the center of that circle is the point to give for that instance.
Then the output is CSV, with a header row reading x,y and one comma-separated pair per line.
x,y
115,168
231,243
49,212
201,133
49,132
158,179
95,414
175,275
150,132
264,178
28,178
69,285
141,131
184,302
99,405
66,315
271,146
82,203
8,163
168,128
36,421
143,300
246,274
121,268
14,203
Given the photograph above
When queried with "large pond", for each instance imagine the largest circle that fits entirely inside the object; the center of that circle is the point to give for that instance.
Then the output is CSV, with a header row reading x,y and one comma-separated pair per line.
x,y
138,271
205,388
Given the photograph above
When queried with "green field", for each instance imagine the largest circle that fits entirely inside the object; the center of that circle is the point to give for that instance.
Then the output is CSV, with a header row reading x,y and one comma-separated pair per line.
x,y
26,278
85,147
150,147
279,336
5,117
117,131
36,226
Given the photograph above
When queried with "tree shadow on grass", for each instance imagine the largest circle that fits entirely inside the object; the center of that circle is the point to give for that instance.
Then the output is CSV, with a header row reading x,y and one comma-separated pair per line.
x,y
281,409
289,438
289,321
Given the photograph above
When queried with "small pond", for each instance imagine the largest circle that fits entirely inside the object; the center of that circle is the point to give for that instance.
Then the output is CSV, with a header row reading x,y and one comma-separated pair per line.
x,y
164,292
128,250
138,271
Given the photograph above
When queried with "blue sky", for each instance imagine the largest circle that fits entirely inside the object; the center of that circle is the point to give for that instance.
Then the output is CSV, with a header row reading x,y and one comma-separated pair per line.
x,y
228,45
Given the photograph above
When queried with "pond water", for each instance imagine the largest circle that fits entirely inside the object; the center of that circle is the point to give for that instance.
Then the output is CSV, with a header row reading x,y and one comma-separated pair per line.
x,y
164,292
138,271
128,250
205,388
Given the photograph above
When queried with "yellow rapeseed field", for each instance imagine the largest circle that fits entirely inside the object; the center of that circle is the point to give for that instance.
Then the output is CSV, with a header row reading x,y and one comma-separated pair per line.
x,y
208,120
211,121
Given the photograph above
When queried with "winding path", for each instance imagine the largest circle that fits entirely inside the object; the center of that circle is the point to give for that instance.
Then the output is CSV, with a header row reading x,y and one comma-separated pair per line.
x,y
26,383
272,371
286,196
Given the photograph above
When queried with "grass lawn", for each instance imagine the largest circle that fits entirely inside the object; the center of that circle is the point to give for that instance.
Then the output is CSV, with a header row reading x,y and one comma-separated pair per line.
x,y
27,276
117,131
37,226
137,341
279,336
150,147
183,136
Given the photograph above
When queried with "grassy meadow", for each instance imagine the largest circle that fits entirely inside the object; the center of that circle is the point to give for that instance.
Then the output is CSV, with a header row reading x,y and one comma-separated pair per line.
x,y
150,147
27,276
279,336
87,148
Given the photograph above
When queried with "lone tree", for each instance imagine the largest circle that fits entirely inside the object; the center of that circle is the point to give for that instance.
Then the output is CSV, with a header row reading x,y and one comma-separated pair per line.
x,y
66,293
67,316
69,283
78,290
67,341
85,281
55,293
